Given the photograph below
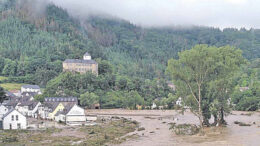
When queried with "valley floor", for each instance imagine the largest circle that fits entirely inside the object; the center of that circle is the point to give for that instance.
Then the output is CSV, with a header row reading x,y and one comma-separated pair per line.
x,y
157,133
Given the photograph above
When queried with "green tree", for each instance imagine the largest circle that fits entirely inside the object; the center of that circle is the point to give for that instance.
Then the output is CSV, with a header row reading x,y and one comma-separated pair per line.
x,y
88,99
2,94
133,99
198,67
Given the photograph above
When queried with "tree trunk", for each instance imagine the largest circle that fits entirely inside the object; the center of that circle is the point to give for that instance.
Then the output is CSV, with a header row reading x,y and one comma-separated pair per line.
x,y
215,119
221,120
200,110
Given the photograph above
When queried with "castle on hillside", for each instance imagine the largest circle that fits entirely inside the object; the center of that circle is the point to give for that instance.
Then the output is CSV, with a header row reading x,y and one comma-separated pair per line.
x,y
81,66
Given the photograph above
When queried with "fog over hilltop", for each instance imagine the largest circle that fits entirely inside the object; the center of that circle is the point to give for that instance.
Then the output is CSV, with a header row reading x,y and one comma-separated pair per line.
x,y
216,13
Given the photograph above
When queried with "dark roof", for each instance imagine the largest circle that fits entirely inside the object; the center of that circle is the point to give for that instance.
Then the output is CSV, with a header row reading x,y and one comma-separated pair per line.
x,y
66,109
61,99
31,104
29,94
8,113
9,94
80,61
86,54
12,103
31,86
51,105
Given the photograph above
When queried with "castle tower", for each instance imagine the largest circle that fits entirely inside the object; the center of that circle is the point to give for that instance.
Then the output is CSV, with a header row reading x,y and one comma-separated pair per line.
x,y
86,56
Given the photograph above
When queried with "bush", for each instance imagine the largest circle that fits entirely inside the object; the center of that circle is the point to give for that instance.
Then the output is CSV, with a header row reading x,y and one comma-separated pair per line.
x,y
185,129
10,139
248,104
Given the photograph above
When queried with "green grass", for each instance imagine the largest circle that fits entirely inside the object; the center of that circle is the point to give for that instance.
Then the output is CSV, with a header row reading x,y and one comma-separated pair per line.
x,y
3,78
11,86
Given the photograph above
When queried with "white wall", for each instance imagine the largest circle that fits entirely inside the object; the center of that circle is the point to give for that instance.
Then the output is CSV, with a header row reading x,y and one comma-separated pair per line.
x,y
30,90
8,120
87,57
76,115
3,111
43,112
31,113
60,117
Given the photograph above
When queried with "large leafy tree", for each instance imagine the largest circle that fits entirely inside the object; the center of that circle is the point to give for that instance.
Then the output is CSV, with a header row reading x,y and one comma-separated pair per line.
x,y
197,68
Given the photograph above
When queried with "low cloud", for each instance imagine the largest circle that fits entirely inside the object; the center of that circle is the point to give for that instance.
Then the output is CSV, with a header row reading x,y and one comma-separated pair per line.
x,y
216,13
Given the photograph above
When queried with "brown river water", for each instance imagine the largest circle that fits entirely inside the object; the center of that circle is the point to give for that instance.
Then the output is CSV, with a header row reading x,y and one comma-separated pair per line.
x,y
157,131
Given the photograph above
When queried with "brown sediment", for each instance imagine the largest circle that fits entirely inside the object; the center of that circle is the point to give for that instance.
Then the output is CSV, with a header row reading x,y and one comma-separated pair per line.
x,y
155,123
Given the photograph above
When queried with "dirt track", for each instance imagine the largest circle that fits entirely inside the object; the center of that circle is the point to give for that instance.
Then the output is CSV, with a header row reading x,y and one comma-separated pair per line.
x,y
157,131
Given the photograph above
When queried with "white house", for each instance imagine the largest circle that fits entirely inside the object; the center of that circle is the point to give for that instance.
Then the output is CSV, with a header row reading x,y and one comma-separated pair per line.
x,y
29,108
86,56
3,111
72,114
14,120
179,101
31,88
153,106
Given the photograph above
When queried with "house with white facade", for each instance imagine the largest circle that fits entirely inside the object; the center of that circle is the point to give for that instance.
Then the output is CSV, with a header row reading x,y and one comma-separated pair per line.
x,y
154,106
72,114
3,111
13,120
29,108
179,101
31,88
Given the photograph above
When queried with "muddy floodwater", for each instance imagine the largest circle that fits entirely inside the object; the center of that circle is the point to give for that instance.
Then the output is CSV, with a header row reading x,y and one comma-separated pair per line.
x,y
157,133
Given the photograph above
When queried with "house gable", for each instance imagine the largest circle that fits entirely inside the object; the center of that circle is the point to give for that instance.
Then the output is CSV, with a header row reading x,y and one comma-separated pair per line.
x,y
76,110
14,120
60,107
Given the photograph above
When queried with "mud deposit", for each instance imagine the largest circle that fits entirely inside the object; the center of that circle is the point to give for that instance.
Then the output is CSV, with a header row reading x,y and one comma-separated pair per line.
x,y
155,129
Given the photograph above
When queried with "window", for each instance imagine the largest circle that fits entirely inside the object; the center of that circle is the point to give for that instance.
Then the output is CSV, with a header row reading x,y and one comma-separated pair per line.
x,y
17,118
18,126
12,117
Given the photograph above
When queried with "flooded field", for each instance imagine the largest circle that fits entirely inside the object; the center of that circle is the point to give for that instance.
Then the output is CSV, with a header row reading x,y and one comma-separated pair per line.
x,y
155,132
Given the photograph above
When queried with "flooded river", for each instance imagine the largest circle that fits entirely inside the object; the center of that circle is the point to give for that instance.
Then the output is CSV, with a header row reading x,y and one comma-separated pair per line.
x,y
157,131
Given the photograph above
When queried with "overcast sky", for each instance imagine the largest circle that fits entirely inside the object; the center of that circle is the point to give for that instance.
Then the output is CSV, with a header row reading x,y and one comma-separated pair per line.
x,y
217,13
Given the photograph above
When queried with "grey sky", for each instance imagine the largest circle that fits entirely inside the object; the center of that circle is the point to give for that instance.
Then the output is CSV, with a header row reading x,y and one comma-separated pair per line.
x,y
217,13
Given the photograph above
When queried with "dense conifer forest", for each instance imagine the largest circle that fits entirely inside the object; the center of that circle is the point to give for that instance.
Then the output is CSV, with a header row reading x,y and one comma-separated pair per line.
x,y
132,59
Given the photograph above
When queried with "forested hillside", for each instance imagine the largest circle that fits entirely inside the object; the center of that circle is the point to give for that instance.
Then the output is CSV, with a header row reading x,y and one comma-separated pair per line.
x,y
34,43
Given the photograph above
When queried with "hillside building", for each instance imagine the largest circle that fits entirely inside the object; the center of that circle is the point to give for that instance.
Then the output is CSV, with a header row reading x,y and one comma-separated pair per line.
x,y
81,66
31,89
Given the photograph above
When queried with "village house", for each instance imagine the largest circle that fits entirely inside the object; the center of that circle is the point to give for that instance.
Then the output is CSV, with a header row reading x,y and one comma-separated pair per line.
x,y
12,103
171,85
72,114
13,120
48,110
31,88
29,108
242,89
3,111
179,101
81,66
17,93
